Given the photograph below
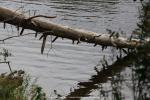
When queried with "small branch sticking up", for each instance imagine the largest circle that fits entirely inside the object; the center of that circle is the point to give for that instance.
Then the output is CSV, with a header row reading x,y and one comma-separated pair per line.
x,y
112,34
35,12
30,18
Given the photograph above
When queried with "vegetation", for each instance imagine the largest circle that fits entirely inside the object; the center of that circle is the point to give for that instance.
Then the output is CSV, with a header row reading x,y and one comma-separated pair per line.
x,y
16,86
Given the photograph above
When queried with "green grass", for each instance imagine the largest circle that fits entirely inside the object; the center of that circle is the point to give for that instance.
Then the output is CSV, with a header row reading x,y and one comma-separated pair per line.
x,y
16,86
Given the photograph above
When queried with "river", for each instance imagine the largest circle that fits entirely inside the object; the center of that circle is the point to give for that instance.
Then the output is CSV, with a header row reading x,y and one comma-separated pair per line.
x,y
65,65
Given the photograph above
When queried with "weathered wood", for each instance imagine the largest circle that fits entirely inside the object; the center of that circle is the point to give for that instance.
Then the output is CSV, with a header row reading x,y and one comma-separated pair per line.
x,y
49,28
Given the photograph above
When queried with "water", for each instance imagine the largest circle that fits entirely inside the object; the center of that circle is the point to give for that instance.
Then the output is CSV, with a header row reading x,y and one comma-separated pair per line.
x,y
62,67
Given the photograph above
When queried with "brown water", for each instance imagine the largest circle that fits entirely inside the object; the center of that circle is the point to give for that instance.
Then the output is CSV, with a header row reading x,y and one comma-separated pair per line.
x,y
67,64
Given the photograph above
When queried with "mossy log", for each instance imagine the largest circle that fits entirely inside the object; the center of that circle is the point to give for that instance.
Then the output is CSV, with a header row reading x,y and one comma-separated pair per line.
x,y
49,28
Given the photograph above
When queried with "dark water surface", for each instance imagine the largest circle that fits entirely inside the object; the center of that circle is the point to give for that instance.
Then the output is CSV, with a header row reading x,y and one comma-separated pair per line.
x,y
67,64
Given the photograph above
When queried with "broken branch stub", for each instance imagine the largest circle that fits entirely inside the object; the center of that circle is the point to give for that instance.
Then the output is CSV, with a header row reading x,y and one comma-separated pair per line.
x,y
19,20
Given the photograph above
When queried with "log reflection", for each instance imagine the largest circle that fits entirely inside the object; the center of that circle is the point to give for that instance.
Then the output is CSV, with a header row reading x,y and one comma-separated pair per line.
x,y
101,77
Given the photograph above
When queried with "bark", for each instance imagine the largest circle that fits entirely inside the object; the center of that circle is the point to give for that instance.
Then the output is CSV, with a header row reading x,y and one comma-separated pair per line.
x,y
49,28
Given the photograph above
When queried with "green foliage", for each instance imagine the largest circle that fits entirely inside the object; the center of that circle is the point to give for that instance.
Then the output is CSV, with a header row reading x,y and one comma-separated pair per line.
x,y
144,25
16,86
37,93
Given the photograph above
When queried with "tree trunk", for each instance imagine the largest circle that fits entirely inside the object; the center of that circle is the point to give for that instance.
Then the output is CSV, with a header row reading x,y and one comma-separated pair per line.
x,y
48,28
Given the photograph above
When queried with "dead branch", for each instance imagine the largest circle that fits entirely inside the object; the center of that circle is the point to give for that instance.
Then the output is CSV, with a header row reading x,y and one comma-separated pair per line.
x,y
7,38
41,16
73,34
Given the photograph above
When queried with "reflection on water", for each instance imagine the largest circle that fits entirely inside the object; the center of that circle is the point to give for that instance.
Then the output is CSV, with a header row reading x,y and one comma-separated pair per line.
x,y
118,84
127,78
102,76
67,64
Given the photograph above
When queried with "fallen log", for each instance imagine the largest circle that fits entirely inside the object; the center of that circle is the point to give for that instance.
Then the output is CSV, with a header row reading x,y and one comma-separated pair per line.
x,y
48,28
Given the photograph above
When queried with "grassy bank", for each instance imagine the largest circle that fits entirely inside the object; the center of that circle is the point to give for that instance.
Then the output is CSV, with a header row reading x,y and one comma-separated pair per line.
x,y
16,86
